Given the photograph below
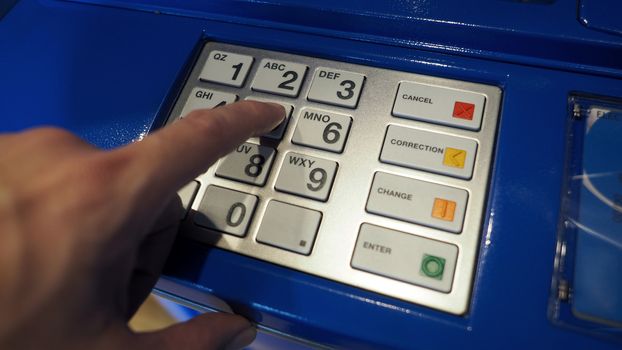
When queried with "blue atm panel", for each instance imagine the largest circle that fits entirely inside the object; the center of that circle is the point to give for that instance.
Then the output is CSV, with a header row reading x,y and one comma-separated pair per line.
x,y
112,71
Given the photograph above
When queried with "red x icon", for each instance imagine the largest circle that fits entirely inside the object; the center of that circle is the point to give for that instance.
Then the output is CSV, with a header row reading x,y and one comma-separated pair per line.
x,y
463,110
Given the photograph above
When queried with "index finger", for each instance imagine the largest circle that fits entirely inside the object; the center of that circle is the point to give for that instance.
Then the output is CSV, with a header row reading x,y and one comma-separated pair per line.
x,y
172,156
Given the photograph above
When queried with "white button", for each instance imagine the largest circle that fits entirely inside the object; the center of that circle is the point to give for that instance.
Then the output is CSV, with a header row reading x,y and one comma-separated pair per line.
x,y
289,227
226,68
279,77
405,257
186,194
226,210
249,163
321,129
276,133
201,98
439,105
439,153
336,87
417,201
306,176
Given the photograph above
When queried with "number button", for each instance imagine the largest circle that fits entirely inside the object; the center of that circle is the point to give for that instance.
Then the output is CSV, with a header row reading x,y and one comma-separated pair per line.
x,y
249,163
279,77
205,98
322,130
289,227
336,87
226,210
226,68
306,176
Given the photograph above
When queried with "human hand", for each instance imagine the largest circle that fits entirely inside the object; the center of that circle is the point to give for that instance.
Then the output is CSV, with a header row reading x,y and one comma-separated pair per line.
x,y
84,233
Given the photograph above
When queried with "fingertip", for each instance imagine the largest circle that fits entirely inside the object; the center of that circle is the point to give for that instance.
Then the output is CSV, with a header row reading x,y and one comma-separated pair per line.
x,y
273,111
243,339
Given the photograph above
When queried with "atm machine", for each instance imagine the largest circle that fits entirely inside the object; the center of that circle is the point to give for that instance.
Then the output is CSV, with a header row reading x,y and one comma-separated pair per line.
x,y
449,174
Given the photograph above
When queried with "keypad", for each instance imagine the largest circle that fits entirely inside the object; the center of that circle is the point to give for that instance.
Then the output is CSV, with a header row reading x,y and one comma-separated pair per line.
x,y
377,178
435,152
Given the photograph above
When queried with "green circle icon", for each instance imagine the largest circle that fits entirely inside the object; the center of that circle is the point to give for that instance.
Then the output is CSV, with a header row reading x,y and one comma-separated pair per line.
x,y
432,266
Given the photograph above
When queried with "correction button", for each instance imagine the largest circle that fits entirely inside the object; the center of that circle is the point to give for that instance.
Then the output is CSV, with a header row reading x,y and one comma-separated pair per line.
x,y
430,151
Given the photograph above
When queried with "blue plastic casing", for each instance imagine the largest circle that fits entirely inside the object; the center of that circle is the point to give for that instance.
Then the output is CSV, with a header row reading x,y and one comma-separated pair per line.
x,y
110,72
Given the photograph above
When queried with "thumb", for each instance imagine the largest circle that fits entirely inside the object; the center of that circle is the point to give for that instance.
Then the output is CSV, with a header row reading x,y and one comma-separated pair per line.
x,y
205,332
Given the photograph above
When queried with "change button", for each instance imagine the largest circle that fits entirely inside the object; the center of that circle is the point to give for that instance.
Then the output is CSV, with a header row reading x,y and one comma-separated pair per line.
x,y
417,201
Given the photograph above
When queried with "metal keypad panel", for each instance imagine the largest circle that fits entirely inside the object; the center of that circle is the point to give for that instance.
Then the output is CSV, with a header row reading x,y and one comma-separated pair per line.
x,y
377,178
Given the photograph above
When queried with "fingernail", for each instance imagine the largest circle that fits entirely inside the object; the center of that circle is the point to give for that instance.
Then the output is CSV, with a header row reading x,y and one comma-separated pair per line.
x,y
242,339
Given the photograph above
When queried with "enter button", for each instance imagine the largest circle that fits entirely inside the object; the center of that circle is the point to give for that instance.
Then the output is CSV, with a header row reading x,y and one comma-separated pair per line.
x,y
405,257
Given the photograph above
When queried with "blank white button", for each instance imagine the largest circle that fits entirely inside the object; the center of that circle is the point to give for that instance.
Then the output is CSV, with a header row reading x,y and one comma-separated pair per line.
x,y
322,129
276,133
425,150
279,77
336,87
405,257
417,201
306,176
226,68
226,210
439,105
201,98
249,163
289,227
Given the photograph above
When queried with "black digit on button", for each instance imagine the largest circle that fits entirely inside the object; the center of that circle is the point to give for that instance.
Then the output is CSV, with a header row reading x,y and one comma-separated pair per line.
x,y
349,86
321,181
331,133
255,166
237,68
232,211
292,78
